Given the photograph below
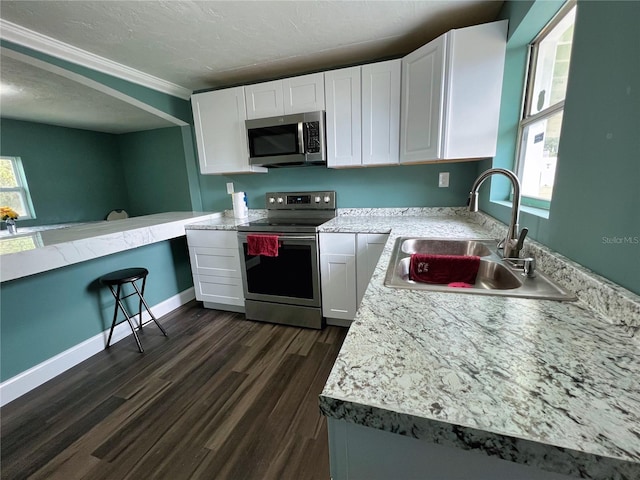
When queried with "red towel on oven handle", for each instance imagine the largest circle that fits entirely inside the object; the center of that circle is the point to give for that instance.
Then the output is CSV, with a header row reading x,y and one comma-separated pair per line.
x,y
266,245
443,269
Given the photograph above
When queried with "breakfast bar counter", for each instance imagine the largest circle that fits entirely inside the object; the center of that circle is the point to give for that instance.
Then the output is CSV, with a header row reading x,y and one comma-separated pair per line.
x,y
31,253
547,384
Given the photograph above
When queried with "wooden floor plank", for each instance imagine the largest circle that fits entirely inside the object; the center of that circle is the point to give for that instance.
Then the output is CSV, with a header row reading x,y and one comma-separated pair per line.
x,y
220,398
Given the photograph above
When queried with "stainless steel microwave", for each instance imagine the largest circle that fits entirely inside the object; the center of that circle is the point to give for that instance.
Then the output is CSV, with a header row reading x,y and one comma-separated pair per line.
x,y
288,140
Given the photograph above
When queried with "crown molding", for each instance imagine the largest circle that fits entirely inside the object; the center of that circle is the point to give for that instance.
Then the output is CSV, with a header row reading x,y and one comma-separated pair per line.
x,y
41,43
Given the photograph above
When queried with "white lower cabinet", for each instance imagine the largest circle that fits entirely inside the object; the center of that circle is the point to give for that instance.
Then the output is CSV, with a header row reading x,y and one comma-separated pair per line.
x,y
215,265
370,246
357,452
347,261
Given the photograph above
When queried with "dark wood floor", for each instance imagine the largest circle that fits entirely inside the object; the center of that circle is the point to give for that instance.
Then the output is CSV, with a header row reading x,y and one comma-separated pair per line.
x,y
221,398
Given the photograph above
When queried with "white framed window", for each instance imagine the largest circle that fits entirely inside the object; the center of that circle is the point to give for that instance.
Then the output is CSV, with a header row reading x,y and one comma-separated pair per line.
x,y
543,107
14,190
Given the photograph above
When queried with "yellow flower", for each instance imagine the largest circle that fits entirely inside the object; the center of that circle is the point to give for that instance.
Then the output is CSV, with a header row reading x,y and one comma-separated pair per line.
x,y
7,213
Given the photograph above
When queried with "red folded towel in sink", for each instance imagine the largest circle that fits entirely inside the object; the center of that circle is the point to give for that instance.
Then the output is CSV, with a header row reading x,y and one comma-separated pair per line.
x,y
443,268
266,245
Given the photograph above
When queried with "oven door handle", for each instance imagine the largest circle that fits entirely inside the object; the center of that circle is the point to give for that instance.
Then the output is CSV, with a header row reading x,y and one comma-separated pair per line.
x,y
243,236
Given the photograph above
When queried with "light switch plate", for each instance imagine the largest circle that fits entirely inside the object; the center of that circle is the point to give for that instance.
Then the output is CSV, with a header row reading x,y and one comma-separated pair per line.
x,y
443,179
230,188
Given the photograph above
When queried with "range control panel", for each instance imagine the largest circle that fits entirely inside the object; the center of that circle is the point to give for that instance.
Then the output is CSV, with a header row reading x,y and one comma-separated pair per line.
x,y
324,200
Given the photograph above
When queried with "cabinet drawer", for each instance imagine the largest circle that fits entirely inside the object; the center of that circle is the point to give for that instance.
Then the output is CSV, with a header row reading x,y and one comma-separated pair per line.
x,y
212,238
215,289
338,243
224,262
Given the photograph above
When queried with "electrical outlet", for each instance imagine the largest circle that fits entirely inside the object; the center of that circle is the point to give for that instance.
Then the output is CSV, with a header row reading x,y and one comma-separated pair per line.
x,y
230,188
443,179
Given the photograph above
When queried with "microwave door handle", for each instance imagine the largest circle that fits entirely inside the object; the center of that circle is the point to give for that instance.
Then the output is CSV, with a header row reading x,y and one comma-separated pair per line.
x,y
301,137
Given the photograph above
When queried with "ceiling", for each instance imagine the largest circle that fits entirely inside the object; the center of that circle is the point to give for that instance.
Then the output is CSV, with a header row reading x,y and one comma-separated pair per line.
x,y
199,45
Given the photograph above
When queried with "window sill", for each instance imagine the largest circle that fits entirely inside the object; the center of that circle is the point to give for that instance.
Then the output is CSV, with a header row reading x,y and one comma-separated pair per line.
x,y
538,212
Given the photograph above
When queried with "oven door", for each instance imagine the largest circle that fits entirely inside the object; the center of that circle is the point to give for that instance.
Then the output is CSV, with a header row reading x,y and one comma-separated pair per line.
x,y
291,278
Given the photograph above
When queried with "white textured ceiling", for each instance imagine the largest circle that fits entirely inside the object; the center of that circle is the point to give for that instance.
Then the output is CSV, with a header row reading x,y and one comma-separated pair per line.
x,y
34,94
206,44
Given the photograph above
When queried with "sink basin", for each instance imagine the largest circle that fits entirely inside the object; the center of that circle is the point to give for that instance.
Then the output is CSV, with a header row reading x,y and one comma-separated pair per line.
x,y
436,246
495,276
491,276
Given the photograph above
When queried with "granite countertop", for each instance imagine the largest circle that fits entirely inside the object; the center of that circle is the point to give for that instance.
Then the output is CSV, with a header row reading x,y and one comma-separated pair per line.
x,y
40,251
543,383
226,221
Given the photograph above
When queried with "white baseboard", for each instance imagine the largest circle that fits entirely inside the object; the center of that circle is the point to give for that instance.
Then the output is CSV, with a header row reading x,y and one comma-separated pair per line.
x,y
35,376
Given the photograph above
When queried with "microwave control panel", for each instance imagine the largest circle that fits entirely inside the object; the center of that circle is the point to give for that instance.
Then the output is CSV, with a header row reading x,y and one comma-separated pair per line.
x,y
312,137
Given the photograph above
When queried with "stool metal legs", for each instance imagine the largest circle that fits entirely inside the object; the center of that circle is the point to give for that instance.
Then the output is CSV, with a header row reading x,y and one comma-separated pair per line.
x,y
144,302
120,305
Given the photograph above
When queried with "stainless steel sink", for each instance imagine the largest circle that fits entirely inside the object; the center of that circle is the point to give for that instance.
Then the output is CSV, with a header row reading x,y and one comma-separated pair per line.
x,y
437,246
495,275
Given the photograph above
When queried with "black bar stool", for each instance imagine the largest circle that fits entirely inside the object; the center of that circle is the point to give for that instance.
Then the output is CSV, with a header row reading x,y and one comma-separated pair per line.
x,y
115,281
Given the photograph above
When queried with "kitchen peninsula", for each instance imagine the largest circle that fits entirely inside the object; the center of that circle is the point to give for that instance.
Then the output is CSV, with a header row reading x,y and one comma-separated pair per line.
x,y
448,385
31,253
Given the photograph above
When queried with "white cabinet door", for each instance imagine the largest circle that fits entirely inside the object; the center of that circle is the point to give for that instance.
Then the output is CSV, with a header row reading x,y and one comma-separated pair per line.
x,y
422,102
381,113
473,99
338,275
370,247
343,98
219,291
215,266
220,131
264,99
451,91
304,93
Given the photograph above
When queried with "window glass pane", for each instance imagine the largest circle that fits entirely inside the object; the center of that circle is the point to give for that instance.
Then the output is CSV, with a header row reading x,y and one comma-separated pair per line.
x,y
552,65
8,178
540,151
16,201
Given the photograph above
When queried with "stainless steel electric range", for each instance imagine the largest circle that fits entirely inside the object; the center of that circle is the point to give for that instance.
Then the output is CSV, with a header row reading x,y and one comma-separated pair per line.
x,y
286,288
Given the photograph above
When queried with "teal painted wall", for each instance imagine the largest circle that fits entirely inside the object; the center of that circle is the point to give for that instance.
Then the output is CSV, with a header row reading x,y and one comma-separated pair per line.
x,y
406,186
43,315
154,168
594,217
73,175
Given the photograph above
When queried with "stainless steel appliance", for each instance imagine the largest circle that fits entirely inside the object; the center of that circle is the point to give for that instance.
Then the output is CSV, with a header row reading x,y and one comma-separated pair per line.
x,y
288,140
286,288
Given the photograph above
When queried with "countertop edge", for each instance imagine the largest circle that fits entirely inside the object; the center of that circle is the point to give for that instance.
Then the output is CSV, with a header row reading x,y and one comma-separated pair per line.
x,y
58,255
547,457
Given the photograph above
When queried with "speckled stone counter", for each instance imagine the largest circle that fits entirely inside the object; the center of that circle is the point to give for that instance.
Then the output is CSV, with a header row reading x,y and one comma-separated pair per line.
x,y
226,221
555,385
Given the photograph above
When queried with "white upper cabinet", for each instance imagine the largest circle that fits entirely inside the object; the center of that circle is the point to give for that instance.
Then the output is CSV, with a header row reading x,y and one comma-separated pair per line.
x,y
422,102
264,99
451,91
220,131
363,115
344,138
283,97
304,93
381,113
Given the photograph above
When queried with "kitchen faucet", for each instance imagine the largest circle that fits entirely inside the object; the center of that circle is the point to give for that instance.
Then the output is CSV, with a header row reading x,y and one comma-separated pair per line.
x,y
513,242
